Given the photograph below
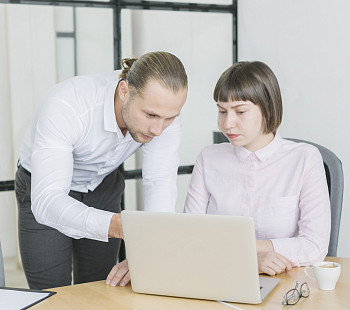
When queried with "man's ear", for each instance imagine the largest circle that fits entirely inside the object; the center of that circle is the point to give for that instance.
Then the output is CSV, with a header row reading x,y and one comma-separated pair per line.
x,y
123,89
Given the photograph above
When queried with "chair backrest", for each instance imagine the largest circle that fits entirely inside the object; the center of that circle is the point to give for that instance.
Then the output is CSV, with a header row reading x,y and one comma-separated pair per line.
x,y
335,180
2,272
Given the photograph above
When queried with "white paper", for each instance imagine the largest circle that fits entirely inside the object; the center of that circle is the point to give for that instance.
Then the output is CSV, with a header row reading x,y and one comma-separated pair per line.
x,y
16,300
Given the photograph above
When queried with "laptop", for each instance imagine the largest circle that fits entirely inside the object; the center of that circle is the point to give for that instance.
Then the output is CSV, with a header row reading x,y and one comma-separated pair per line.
x,y
194,256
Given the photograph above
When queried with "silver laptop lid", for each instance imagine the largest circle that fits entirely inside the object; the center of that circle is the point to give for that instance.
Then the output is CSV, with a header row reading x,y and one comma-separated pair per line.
x,y
191,255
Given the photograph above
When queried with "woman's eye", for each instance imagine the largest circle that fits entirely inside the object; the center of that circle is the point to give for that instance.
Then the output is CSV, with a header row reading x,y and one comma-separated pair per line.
x,y
222,112
150,115
241,112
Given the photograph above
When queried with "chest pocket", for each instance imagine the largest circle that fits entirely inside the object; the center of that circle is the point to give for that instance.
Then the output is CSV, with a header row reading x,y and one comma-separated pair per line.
x,y
277,217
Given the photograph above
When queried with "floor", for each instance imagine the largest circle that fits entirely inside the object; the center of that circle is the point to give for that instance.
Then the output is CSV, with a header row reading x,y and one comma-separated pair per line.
x,y
14,275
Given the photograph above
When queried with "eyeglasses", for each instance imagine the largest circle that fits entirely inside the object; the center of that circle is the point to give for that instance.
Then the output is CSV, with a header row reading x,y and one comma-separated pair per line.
x,y
294,295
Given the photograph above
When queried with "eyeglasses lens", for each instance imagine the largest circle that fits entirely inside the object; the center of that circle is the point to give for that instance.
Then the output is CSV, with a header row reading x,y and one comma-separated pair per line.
x,y
292,297
304,290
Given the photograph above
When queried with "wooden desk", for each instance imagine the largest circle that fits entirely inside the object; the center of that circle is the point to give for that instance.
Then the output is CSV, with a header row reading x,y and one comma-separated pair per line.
x,y
97,295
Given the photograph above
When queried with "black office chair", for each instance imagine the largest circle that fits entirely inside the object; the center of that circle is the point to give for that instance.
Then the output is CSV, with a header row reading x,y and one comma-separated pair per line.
x,y
2,272
335,181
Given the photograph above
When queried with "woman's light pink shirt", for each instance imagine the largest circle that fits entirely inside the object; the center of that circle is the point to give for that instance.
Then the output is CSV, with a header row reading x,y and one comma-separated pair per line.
x,y
282,187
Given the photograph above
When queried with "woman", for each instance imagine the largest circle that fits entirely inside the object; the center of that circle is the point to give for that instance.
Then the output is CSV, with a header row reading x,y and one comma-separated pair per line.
x,y
279,183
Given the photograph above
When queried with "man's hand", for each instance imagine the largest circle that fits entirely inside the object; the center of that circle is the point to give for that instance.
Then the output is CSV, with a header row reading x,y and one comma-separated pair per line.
x,y
119,273
115,227
273,263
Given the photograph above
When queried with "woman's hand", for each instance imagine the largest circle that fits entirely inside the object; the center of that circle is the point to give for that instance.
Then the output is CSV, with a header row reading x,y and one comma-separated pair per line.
x,y
119,274
272,263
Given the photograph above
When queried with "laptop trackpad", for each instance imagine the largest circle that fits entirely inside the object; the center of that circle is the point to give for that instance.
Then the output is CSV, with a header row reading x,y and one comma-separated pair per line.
x,y
267,284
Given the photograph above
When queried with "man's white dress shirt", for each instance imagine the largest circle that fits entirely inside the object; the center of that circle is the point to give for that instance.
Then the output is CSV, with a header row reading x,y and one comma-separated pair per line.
x,y
75,142
282,187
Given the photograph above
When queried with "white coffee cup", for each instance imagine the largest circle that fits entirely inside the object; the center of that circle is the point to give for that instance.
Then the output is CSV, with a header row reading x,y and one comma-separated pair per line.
x,y
325,273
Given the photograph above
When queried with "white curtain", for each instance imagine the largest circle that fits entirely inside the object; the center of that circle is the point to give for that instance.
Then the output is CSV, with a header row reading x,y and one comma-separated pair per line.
x,y
32,60
27,69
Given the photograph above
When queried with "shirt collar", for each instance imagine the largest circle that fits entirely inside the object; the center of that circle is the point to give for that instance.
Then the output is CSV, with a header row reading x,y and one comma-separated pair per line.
x,y
242,153
262,154
110,122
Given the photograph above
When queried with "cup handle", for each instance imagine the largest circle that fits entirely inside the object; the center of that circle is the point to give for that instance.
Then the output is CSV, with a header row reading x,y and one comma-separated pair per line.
x,y
308,274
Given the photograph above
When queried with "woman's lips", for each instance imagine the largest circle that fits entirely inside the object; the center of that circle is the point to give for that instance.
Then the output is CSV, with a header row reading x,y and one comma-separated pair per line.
x,y
232,136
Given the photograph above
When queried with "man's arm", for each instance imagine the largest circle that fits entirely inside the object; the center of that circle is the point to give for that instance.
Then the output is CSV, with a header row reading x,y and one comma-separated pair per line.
x,y
57,129
159,169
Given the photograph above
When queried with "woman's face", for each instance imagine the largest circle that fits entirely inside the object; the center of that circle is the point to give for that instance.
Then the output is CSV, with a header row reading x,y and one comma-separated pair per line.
x,y
242,124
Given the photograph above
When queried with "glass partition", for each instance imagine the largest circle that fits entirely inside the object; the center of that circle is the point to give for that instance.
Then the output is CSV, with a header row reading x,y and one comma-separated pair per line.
x,y
41,45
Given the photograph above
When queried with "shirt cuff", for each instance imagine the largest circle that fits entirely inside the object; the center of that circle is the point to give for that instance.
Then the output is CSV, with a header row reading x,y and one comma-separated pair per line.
x,y
283,247
97,224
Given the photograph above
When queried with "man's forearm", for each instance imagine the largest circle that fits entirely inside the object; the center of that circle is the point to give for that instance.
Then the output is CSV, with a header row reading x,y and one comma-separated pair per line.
x,y
115,227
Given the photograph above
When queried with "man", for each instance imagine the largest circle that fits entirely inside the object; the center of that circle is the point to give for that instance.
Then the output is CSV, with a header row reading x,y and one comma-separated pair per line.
x,y
67,185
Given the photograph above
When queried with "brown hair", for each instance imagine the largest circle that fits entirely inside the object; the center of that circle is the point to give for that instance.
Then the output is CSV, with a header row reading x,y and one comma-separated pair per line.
x,y
255,82
164,67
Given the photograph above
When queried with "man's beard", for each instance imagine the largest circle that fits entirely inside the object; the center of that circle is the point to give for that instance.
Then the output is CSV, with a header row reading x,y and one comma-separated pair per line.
x,y
131,128
133,134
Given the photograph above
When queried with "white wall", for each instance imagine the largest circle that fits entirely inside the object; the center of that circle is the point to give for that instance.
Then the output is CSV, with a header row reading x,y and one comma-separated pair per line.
x,y
306,44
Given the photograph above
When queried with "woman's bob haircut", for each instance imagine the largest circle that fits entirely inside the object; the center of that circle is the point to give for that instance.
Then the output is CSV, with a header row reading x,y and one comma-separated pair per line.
x,y
255,82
